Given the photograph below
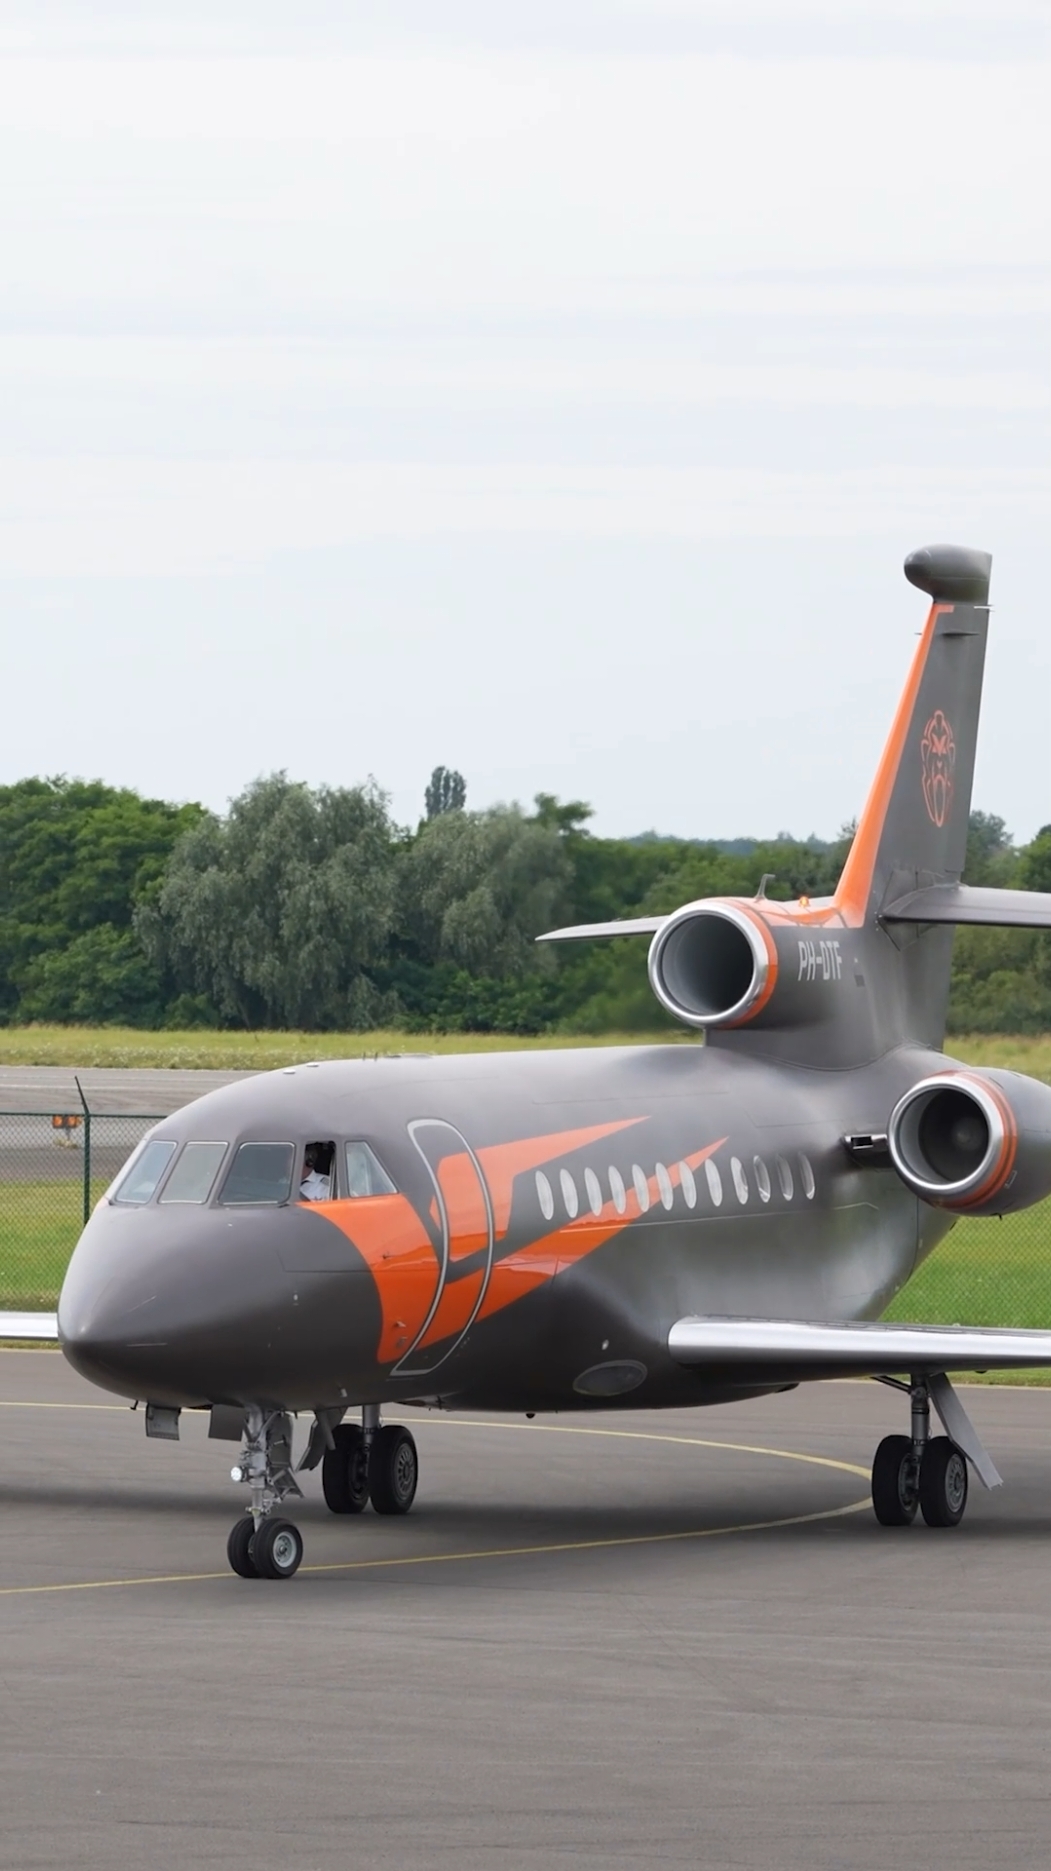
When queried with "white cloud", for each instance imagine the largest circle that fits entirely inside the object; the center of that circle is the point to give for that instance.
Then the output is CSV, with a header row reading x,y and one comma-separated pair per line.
x,y
437,348
104,518
486,181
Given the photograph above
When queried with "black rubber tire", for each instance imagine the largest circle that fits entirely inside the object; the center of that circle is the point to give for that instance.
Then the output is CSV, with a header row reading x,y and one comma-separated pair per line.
x,y
345,1471
895,1495
943,1483
394,1470
277,1549
239,1548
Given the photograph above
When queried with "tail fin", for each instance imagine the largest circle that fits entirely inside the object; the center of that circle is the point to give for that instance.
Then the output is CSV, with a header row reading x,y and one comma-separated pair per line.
x,y
913,831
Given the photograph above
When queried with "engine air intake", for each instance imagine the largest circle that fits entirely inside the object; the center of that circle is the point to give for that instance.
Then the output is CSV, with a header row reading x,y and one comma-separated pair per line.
x,y
975,1141
712,964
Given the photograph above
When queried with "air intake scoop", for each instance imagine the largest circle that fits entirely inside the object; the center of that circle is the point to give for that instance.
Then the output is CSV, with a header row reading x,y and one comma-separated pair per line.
x,y
954,574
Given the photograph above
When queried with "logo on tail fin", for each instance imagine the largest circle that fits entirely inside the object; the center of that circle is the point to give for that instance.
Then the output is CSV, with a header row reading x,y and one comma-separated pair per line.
x,y
938,752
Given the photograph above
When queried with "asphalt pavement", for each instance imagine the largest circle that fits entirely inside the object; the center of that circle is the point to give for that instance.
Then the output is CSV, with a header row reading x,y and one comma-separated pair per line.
x,y
108,1089
674,1640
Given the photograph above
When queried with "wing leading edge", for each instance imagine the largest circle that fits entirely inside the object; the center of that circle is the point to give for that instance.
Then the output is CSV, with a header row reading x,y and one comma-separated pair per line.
x,y
801,1349
581,932
43,1325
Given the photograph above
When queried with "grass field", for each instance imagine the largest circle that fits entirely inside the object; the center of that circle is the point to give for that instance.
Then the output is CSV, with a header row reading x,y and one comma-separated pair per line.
x,y
127,1046
260,1052
39,1226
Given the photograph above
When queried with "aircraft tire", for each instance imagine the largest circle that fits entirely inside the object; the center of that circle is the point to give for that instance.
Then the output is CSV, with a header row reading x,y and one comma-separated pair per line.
x,y
239,1548
394,1470
895,1496
345,1471
277,1549
943,1483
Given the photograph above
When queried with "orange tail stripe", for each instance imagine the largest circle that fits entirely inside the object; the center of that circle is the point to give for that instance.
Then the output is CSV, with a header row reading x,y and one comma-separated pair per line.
x,y
855,885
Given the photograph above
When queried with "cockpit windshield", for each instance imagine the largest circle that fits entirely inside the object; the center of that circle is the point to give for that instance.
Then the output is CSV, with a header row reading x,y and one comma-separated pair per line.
x,y
192,1178
260,1173
144,1173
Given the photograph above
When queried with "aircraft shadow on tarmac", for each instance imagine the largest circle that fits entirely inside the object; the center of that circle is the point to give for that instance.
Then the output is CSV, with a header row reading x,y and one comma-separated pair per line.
x,y
801,1514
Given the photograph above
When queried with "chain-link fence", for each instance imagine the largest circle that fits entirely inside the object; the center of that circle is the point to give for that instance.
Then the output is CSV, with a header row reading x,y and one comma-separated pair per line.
x,y
53,1168
991,1272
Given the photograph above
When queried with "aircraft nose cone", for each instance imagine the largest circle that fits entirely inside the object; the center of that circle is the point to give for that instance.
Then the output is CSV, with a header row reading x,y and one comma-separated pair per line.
x,y
107,1335
184,1311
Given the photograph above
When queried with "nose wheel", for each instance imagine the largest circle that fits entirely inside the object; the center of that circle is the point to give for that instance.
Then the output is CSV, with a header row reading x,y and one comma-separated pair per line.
x,y
260,1546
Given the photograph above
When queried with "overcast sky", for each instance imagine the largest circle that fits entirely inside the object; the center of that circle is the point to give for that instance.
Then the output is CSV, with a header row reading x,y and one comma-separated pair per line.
x,y
549,388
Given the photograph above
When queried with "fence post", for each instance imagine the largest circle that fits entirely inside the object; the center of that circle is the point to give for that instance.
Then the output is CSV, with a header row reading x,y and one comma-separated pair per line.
x,y
87,1150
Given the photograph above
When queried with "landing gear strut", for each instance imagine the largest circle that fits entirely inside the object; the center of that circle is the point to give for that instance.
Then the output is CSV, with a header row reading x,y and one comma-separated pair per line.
x,y
926,1472
260,1547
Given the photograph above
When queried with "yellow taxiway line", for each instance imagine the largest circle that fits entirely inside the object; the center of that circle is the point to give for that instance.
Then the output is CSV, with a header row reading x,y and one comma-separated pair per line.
x,y
403,1560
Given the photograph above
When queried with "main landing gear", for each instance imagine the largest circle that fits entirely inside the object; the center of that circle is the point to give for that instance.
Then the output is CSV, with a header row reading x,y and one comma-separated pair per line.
x,y
370,1461
924,1472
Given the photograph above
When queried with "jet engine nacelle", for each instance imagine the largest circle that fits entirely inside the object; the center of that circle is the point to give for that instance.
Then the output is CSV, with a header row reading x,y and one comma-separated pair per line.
x,y
975,1142
724,962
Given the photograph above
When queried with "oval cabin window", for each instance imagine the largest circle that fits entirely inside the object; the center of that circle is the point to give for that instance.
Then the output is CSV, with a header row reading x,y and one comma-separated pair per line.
x,y
594,1189
642,1190
762,1178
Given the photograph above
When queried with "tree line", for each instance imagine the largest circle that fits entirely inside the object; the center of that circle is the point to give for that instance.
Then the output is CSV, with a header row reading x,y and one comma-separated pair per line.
x,y
311,908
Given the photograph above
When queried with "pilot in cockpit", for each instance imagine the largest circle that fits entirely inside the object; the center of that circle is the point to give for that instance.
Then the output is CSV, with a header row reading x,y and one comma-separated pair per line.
x,y
316,1180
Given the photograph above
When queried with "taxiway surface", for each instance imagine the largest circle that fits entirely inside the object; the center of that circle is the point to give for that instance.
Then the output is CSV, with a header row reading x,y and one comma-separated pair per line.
x,y
675,1640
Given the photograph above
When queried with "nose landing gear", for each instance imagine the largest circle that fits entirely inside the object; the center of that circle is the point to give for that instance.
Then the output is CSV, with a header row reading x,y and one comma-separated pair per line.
x,y
260,1547
371,1461
926,1472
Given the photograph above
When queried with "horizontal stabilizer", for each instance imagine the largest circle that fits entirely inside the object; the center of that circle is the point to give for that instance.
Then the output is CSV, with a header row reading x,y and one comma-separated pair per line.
x,y
579,932
795,1348
967,903
29,1325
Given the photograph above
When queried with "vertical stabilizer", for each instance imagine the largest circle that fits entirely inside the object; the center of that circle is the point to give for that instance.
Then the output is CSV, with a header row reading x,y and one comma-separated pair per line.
x,y
913,830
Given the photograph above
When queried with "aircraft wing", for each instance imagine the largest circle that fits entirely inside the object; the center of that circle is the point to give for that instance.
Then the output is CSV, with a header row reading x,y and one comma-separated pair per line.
x,y
29,1325
797,1349
972,903
631,925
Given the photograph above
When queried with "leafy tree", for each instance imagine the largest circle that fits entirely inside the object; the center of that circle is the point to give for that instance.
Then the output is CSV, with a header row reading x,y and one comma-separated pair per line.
x,y
75,858
277,912
1034,870
991,856
476,888
446,792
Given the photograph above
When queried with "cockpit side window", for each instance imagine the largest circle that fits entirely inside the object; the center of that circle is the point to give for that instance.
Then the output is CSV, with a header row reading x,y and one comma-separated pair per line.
x,y
144,1173
261,1173
365,1173
192,1178
315,1181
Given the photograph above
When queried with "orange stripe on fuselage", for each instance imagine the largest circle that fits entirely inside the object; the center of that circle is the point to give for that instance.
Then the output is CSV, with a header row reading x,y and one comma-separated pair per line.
x,y
528,1267
400,1254
855,885
502,1162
